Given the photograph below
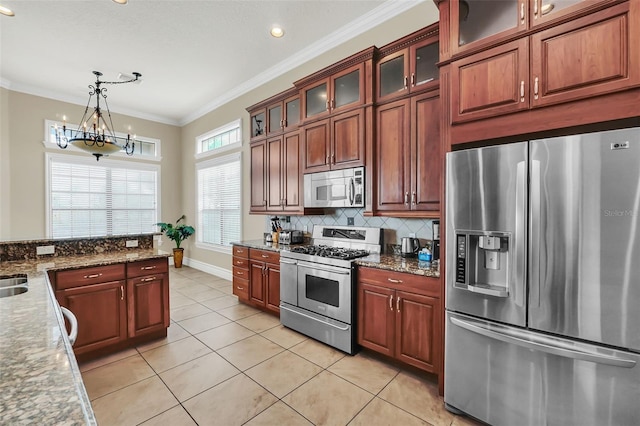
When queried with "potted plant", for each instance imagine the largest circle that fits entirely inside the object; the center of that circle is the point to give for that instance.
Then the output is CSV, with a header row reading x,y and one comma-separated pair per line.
x,y
178,233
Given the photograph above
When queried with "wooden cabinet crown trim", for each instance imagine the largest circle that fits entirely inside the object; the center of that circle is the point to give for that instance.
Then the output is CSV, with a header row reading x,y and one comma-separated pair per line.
x,y
432,31
291,92
357,58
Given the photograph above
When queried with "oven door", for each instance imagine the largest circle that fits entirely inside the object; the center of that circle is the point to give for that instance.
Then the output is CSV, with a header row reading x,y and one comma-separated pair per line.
x,y
325,290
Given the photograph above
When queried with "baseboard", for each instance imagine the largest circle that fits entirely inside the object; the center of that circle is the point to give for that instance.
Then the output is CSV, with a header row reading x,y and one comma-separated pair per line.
x,y
205,267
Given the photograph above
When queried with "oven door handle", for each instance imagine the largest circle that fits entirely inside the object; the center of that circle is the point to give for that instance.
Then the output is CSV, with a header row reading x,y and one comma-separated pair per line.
x,y
315,319
288,262
325,269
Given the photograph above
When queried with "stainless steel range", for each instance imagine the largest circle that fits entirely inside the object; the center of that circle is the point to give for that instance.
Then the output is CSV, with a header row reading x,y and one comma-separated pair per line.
x,y
317,283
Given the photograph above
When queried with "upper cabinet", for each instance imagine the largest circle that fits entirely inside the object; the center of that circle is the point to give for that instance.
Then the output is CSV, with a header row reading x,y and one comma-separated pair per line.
x,y
283,115
408,65
334,93
554,61
337,88
478,23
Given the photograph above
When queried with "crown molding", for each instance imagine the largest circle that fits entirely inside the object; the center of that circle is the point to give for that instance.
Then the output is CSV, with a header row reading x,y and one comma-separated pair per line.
x,y
377,16
82,101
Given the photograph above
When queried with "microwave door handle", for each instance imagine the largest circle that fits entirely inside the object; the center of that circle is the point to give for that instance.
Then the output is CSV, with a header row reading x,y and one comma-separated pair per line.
x,y
352,191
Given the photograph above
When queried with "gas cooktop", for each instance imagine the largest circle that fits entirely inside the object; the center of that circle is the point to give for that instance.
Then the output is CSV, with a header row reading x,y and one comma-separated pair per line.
x,y
330,252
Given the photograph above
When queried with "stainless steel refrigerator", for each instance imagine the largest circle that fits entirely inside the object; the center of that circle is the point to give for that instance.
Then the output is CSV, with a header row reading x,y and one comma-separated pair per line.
x,y
543,281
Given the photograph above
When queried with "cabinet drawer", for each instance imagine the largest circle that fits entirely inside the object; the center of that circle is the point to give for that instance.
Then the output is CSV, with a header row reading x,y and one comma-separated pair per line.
x,y
239,251
241,288
265,256
400,280
146,267
87,276
239,262
240,273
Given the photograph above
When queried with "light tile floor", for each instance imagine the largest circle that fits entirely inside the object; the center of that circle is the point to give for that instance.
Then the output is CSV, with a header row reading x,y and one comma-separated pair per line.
x,y
225,363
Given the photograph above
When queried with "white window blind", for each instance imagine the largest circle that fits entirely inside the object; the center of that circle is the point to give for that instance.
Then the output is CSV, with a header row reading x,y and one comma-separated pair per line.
x,y
109,198
219,199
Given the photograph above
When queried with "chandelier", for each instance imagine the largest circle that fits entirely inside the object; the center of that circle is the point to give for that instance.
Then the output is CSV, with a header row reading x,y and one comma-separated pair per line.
x,y
95,132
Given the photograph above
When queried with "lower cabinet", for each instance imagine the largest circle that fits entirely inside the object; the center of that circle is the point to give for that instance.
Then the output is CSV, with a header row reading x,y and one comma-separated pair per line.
x,y
115,304
264,279
101,311
256,278
399,315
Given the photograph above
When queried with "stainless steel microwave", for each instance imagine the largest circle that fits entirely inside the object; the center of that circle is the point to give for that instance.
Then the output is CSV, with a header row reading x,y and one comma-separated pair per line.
x,y
337,188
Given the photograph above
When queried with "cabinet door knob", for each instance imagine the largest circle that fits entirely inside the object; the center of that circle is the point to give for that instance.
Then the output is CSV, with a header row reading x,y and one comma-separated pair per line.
x,y
535,88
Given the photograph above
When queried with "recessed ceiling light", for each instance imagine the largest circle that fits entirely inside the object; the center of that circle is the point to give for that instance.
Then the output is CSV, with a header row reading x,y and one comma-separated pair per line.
x,y
121,1
6,11
277,31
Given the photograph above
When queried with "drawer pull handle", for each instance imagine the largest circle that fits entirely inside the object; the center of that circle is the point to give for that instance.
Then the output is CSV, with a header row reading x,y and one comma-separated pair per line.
x,y
121,292
398,304
148,279
146,268
240,273
92,276
391,280
239,288
522,12
535,88
391,302
266,256
522,91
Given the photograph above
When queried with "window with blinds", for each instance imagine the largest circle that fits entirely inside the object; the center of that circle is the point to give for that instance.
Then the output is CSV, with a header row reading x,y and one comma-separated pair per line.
x,y
113,197
219,201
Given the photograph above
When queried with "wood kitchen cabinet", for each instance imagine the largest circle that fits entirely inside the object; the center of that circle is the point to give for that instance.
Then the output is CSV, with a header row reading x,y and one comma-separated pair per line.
x,y
408,65
408,156
335,143
589,56
147,296
97,297
115,305
241,273
477,24
256,277
399,315
276,175
333,93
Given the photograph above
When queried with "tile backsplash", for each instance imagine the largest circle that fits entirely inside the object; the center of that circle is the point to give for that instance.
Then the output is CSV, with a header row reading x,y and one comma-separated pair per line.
x,y
394,228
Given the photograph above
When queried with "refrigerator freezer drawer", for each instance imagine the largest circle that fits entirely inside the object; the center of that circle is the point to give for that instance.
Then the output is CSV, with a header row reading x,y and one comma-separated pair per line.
x,y
506,375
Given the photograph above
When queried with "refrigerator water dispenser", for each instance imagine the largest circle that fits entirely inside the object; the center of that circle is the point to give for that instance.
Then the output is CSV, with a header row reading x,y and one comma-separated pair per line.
x,y
482,262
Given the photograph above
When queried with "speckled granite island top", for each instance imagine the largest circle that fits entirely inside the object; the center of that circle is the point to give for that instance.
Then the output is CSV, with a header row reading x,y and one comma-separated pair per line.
x,y
40,382
380,261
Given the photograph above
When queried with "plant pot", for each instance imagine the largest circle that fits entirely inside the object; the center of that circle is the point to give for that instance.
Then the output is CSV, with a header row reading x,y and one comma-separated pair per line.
x,y
178,254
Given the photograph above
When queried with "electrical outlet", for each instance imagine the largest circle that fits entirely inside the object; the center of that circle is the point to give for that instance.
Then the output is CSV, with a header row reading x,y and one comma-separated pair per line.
x,y
40,250
132,243
350,221
412,235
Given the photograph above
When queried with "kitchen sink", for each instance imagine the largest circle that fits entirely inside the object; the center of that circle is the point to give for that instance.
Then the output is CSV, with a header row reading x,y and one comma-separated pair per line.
x,y
12,286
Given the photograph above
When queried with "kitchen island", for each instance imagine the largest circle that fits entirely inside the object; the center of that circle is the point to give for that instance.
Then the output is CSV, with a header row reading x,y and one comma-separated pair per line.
x,y
40,382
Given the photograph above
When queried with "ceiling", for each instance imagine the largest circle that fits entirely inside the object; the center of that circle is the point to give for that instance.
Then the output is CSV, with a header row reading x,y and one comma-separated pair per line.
x,y
194,55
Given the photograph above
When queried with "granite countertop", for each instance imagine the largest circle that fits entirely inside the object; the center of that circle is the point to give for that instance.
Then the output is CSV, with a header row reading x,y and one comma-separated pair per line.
x,y
40,382
387,262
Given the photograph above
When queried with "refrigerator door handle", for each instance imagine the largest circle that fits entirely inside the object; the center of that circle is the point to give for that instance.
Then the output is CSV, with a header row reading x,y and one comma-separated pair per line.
x,y
541,343
534,234
518,279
